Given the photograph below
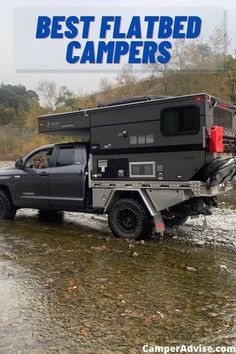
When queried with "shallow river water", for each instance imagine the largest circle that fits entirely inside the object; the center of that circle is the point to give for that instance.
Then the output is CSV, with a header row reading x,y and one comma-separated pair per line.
x,y
68,287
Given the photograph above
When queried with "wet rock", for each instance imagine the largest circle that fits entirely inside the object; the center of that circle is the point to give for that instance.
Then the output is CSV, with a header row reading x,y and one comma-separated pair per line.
x,y
129,241
72,288
191,269
228,342
208,331
49,283
109,338
213,314
223,267
102,280
135,254
200,242
11,274
99,248
161,315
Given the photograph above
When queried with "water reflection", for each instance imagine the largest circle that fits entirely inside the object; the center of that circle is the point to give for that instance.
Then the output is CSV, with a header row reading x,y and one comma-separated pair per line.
x,y
73,289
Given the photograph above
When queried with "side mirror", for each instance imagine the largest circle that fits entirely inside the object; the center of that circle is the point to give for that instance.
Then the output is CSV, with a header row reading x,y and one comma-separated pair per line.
x,y
18,164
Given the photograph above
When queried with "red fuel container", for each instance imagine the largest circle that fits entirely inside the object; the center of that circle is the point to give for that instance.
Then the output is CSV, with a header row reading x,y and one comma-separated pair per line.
x,y
216,134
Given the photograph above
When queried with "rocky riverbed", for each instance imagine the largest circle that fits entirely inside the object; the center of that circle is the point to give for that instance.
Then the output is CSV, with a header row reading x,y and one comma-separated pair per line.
x,y
217,231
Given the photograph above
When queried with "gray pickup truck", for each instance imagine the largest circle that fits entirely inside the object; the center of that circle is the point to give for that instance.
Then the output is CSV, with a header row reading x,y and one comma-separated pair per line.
x,y
147,162
50,177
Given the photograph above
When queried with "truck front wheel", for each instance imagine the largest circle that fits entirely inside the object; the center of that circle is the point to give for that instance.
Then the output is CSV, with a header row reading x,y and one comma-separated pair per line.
x,y
129,219
7,209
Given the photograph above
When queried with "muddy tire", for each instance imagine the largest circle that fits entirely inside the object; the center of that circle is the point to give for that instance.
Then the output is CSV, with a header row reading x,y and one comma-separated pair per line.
x,y
7,209
174,221
129,219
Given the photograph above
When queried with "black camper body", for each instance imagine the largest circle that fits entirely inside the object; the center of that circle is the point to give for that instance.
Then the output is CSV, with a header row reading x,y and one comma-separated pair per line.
x,y
164,138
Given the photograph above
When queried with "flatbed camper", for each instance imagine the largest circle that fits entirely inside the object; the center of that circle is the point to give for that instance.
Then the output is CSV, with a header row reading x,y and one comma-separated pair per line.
x,y
147,162
159,139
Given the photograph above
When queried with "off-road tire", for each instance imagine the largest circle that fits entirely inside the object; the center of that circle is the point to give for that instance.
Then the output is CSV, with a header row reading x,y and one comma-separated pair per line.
x,y
129,219
174,221
7,209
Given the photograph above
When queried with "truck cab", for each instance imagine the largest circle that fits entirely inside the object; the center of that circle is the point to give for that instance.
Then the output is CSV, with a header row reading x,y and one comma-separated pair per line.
x,y
51,177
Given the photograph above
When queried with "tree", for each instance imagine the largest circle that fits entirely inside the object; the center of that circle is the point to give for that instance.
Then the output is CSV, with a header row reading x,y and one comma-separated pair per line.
x,y
66,98
48,92
106,90
55,99
15,102
126,76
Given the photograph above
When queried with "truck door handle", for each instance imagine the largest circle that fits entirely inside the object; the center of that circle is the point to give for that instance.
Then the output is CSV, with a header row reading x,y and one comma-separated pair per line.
x,y
43,174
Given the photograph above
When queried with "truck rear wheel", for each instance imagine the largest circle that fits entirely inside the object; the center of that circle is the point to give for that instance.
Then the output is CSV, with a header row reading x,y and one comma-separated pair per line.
x,y
128,219
7,209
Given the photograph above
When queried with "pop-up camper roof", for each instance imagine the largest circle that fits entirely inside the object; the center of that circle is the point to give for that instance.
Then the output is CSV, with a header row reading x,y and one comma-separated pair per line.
x,y
70,123
78,123
119,112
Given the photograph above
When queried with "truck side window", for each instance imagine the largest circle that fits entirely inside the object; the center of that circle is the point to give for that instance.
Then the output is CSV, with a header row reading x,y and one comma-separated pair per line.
x,y
65,156
40,159
180,120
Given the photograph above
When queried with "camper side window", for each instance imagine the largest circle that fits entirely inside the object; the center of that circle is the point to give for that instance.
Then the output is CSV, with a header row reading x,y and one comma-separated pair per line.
x,y
180,120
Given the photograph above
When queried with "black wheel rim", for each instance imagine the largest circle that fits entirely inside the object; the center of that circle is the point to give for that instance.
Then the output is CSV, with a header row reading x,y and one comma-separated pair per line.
x,y
127,221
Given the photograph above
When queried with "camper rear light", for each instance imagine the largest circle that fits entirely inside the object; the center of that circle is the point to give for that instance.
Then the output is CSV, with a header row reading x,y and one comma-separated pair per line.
x,y
199,99
223,105
216,134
